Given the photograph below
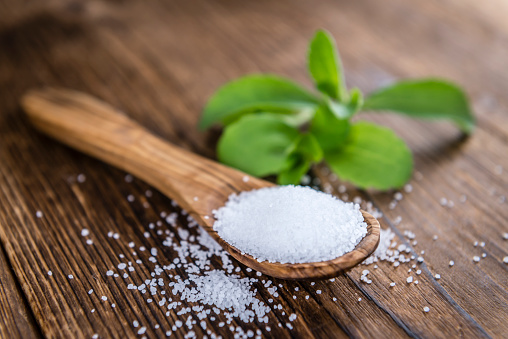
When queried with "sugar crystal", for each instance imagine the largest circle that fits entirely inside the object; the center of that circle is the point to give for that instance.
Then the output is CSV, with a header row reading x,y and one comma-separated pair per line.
x,y
279,224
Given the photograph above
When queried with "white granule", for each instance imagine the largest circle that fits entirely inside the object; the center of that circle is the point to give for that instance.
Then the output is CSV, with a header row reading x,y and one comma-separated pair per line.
x,y
38,214
85,232
476,258
505,260
81,178
135,323
290,224
383,251
109,273
426,309
70,276
90,292
437,276
451,263
142,330
89,241
128,178
104,298
505,236
409,280
50,273
392,284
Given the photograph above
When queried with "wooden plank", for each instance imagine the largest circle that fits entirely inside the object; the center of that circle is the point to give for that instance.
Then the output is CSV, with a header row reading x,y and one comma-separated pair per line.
x,y
16,319
159,62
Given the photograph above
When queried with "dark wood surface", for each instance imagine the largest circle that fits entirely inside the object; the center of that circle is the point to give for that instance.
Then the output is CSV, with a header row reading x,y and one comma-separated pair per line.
x,y
159,61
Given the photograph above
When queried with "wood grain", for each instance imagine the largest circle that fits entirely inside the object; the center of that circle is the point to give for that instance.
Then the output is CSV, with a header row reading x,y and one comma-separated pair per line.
x,y
197,184
159,61
16,319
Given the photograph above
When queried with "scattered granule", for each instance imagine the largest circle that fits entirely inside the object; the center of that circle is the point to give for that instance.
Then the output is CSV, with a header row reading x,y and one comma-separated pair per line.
x,y
245,178
70,276
505,260
383,251
408,188
148,193
392,284
104,298
437,276
95,336
50,273
85,232
130,198
426,309
416,282
443,201
334,299
476,258
92,310
248,220
482,244
419,272
359,299
109,273
39,214
90,292
128,178
318,291
505,236
81,178
409,280
142,330
398,196
451,263
89,242
113,305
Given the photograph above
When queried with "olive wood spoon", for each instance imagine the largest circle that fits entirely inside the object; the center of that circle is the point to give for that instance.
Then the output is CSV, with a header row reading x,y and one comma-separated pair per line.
x,y
197,184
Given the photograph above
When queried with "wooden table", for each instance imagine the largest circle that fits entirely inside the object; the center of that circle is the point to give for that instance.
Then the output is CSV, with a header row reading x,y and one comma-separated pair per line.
x,y
159,61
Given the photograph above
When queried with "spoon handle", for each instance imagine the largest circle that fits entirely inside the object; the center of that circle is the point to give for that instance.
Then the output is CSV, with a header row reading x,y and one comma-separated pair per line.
x,y
85,123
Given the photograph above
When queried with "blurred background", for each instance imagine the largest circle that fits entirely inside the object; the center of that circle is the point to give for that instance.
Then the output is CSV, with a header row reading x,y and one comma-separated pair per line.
x,y
160,60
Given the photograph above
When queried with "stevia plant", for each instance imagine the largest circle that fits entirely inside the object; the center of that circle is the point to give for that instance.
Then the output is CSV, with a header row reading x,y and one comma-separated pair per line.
x,y
273,126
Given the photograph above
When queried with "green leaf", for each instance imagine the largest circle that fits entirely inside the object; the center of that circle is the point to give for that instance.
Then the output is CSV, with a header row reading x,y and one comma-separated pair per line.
x,y
306,150
428,98
255,93
257,144
329,131
292,175
325,66
373,156
308,146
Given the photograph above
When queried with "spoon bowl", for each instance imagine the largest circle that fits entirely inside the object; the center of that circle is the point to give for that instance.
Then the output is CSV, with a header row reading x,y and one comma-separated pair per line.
x,y
197,184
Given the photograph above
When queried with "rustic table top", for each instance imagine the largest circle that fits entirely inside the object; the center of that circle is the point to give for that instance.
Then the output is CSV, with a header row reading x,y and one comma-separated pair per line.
x,y
159,61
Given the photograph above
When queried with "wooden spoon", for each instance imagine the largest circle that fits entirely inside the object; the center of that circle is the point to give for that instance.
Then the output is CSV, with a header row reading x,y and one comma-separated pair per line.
x,y
197,184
